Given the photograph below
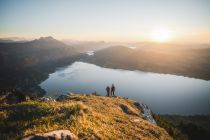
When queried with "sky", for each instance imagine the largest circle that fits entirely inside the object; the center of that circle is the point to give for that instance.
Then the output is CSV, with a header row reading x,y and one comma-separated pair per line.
x,y
107,20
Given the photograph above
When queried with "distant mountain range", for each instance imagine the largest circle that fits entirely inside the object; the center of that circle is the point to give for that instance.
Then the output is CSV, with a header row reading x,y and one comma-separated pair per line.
x,y
187,62
13,39
33,52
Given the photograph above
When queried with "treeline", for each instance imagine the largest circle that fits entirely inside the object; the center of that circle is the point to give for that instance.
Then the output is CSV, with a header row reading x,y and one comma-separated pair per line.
x,y
185,127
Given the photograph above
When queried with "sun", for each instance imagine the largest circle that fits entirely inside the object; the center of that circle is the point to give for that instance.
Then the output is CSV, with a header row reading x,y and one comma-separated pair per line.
x,y
161,35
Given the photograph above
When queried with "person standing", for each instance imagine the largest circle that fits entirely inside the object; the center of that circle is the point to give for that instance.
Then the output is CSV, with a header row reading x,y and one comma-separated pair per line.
x,y
112,90
108,90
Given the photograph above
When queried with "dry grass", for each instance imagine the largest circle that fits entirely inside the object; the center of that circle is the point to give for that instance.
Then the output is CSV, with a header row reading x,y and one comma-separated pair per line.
x,y
87,116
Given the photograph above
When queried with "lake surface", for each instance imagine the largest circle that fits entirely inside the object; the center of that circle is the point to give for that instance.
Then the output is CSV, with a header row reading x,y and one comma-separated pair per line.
x,y
163,93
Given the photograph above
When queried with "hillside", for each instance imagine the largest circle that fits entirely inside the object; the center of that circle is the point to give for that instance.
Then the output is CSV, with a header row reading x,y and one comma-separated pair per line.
x,y
25,64
185,62
38,51
195,127
86,116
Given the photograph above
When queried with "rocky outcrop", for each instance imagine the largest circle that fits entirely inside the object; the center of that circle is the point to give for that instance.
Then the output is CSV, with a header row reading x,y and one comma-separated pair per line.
x,y
64,97
53,135
146,112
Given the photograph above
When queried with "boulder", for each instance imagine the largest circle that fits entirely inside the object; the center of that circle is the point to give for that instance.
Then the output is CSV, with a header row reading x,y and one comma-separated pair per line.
x,y
53,135
48,99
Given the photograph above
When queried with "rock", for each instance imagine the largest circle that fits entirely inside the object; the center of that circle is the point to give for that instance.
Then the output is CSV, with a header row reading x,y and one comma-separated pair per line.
x,y
48,99
62,97
53,135
136,120
70,93
146,112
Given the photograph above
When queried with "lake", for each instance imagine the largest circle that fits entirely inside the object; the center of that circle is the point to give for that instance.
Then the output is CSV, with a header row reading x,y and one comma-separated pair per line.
x,y
163,93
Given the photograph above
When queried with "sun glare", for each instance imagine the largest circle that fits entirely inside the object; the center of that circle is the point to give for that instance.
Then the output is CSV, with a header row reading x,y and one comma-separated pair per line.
x,y
161,35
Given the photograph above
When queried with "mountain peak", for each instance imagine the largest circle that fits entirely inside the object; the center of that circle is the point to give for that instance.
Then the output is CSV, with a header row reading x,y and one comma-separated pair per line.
x,y
48,38
47,41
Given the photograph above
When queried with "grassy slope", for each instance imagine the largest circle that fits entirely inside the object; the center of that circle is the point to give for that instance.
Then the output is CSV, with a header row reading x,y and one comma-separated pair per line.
x,y
84,115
